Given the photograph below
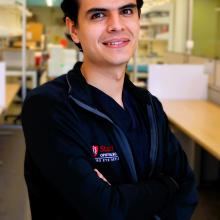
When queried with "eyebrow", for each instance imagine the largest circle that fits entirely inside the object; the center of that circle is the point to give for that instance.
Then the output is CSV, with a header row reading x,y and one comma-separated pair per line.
x,y
92,10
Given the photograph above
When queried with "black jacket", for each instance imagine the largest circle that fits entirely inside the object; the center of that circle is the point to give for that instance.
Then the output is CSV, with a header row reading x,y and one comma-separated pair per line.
x,y
62,128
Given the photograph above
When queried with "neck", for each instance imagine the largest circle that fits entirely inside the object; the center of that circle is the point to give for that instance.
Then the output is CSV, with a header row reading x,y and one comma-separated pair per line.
x,y
110,79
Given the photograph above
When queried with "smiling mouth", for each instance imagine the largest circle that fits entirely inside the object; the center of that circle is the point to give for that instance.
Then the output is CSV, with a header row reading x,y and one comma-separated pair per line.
x,y
116,43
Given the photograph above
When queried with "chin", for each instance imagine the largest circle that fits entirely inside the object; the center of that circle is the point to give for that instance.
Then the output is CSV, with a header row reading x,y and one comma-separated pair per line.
x,y
118,63
119,60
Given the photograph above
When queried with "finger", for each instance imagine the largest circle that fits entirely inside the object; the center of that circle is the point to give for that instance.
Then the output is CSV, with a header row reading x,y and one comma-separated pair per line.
x,y
98,173
101,176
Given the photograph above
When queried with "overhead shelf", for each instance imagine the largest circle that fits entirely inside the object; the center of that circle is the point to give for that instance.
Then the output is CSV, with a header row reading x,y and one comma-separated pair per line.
x,y
163,36
8,32
11,2
154,7
154,39
155,21
11,11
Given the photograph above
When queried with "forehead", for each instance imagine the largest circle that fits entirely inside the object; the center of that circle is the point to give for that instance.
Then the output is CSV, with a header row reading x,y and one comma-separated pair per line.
x,y
107,4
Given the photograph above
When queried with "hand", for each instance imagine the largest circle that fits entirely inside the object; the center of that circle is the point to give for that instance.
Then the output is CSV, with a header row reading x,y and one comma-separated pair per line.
x,y
101,176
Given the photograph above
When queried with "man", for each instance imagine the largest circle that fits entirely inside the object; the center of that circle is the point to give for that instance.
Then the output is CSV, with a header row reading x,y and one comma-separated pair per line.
x,y
97,146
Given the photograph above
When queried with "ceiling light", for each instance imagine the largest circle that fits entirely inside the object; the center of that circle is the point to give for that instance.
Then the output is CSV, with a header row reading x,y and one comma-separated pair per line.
x,y
49,3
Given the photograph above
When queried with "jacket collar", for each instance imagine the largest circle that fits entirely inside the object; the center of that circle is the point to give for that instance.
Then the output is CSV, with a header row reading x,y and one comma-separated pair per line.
x,y
79,88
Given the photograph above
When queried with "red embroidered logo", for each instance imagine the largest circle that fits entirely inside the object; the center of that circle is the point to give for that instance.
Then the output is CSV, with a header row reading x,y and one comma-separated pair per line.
x,y
95,150
104,154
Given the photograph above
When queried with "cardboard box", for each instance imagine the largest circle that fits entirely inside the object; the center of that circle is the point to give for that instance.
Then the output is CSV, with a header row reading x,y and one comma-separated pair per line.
x,y
34,31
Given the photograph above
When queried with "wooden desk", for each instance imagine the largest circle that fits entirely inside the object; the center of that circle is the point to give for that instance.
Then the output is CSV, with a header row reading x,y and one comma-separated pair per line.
x,y
200,120
11,91
29,73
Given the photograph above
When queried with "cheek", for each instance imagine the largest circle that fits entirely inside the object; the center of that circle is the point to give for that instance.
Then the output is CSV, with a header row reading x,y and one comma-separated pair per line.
x,y
134,27
135,32
91,36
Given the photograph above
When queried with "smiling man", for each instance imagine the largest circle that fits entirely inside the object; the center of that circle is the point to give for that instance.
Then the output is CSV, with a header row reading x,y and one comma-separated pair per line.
x,y
97,147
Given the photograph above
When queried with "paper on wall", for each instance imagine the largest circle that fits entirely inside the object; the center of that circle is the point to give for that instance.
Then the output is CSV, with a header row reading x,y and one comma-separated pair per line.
x,y
178,81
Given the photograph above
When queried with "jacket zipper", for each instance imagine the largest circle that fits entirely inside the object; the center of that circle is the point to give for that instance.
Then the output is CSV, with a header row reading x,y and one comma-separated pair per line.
x,y
125,148
120,136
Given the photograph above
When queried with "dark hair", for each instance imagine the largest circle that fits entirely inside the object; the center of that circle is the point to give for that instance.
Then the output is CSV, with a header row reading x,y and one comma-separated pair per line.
x,y
70,9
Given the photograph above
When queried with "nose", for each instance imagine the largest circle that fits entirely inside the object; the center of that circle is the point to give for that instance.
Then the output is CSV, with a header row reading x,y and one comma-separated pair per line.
x,y
115,22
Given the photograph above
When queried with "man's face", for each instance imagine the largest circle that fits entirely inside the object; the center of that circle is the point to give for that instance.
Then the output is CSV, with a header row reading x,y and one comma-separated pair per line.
x,y
107,30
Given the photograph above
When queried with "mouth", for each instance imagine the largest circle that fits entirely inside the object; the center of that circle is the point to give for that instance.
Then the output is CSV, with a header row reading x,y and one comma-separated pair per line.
x,y
116,43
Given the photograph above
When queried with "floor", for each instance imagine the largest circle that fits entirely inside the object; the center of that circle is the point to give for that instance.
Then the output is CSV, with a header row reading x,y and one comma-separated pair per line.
x,y
209,205
13,197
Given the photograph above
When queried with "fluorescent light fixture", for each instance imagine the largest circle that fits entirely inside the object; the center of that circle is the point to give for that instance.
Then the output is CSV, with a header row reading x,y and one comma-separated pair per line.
x,y
49,3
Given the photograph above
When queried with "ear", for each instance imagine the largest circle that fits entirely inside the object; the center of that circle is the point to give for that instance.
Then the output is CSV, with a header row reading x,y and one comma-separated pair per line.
x,y
72,30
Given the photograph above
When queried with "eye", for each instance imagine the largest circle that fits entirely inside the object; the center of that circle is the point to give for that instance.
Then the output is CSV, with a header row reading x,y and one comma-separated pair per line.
x,y
97,16
127,11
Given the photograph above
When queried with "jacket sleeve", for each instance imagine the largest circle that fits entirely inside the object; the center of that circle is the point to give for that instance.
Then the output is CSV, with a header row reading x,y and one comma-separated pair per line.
x,y
57,149
175,164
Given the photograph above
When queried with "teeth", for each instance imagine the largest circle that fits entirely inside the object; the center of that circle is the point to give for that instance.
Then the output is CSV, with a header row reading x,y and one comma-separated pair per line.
x,y
114,43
